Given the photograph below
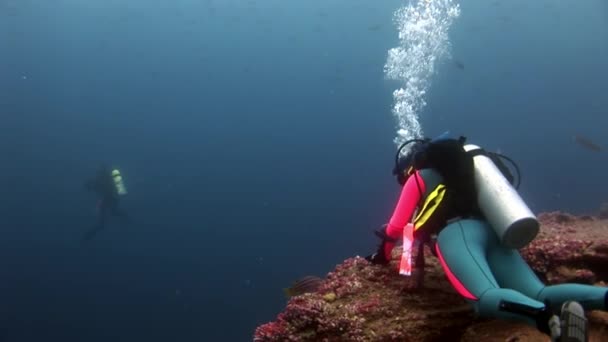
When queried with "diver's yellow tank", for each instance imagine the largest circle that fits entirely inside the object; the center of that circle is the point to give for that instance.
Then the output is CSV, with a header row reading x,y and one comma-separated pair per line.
x,y
501,205
119,183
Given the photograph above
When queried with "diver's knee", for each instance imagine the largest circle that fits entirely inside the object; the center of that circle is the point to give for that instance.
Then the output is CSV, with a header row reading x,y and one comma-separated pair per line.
x,y
508,301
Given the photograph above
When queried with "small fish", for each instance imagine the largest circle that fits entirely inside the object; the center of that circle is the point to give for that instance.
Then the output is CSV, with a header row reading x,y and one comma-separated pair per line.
x,y
306,284
586,143
375,27
459,64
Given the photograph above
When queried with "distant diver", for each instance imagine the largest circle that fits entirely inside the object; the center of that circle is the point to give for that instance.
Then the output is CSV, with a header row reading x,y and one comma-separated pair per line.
x,y
587,143
108,185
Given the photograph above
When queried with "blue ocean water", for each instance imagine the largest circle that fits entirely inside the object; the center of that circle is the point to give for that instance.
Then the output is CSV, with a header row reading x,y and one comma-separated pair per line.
x,y
256,141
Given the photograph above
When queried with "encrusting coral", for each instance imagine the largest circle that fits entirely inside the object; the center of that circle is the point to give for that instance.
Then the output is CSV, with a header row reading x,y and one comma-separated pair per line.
x,y
359,301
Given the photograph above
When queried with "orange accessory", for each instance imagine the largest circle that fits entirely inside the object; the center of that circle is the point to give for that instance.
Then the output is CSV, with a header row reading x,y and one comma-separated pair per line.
x,y
405,267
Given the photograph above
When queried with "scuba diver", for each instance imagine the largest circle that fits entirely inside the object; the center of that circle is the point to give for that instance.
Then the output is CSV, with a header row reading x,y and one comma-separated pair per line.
x,y
460,200
108,185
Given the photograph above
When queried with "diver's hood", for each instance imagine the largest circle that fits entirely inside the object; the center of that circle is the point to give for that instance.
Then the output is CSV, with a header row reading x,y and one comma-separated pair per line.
x,y
414,157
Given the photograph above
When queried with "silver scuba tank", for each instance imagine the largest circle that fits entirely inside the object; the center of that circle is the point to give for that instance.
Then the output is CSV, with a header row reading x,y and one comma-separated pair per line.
x,y
121,189
506,212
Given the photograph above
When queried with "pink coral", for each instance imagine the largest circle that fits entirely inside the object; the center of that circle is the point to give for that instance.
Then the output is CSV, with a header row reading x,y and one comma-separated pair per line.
x,y
363,302
367,306
270,332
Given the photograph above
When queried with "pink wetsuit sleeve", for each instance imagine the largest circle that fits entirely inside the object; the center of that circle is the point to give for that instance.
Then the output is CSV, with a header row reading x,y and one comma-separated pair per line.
x,y
410,196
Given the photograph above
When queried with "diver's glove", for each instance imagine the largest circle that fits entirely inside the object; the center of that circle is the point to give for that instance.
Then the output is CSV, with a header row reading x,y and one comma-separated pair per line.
x,y
379,258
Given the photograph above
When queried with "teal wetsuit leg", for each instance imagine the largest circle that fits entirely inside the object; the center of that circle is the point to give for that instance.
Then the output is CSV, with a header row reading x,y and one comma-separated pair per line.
x,y
462,247
512,271
590,297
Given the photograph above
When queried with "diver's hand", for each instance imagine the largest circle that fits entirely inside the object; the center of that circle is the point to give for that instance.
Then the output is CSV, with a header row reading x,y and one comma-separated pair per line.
x,y
377,259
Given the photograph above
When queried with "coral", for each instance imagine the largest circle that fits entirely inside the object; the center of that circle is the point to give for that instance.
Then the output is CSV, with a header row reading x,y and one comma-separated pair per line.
x,y
358,301
603,214
270,332
569,250
330,297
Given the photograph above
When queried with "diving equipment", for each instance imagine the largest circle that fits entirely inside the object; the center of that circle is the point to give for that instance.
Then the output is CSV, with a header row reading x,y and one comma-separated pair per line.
x,y
546,321
405,266
118,182
415,157
404,161
507,213
386,243
574,323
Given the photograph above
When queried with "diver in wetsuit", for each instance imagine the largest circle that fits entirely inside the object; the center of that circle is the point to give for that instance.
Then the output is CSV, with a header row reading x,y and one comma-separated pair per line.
x,y
108,186
477,241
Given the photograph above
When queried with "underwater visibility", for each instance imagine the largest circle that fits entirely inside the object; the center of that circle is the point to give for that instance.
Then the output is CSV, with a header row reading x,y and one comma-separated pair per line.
x,y
237,170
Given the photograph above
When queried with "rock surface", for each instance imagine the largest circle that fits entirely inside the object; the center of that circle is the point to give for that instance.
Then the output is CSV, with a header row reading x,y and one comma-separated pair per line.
x,y
362,302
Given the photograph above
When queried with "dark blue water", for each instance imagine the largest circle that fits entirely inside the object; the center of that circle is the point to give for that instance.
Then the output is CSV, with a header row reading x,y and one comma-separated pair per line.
x,y
256,142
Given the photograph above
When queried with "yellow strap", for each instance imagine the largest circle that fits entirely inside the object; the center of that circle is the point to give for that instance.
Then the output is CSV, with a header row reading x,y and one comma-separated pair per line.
x,y
430,204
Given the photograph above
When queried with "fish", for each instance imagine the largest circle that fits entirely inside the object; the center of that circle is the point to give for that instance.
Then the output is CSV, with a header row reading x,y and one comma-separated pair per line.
x,y
459,64
587,143
375,27
303,285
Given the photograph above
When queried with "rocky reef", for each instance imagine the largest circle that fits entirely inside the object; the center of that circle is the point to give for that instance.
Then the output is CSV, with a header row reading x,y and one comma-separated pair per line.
x,y
363,302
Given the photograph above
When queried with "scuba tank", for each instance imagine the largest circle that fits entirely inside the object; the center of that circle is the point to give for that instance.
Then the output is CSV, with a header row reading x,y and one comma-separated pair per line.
x,y
118,183
501,205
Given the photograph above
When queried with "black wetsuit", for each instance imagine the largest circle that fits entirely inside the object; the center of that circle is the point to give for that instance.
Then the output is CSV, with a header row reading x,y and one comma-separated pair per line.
x,y
108,202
